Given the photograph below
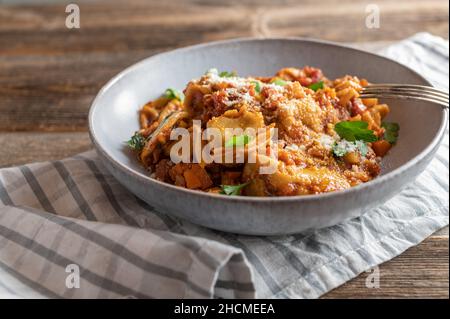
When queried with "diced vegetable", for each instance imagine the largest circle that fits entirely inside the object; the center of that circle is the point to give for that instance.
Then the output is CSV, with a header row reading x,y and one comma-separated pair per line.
x,y
381,147
197,178
352,158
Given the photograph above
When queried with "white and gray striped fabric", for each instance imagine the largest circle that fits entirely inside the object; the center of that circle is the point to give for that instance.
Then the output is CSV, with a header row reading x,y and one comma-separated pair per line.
x,y
58,214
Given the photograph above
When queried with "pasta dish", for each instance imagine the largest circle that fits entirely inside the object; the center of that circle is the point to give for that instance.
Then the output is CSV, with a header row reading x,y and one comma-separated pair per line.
x,y
327,138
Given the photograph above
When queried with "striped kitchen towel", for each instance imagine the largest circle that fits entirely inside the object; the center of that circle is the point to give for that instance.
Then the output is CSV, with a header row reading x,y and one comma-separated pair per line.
x,y
68,229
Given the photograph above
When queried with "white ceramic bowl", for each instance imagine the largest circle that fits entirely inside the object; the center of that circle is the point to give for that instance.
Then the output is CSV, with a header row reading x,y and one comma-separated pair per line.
x,y
113,118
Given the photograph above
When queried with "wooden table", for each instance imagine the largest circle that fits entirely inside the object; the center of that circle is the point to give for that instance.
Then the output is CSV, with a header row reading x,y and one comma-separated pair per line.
x,y
49,75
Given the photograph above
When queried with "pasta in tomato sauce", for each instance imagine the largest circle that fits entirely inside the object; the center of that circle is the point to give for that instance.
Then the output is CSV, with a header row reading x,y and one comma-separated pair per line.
x,y
329,139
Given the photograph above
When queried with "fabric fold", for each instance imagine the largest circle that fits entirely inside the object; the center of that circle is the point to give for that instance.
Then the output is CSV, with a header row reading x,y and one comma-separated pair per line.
x,y
113,261
68,217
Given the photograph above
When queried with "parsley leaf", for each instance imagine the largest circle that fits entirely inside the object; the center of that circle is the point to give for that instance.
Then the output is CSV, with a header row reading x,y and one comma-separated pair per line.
x,y
226,74
136,142
174,94
316,86
257,86
391,131
232,189
355,130
279,82
239,140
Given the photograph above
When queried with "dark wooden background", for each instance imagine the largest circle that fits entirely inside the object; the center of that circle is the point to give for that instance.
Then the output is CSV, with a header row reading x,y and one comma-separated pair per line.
x,y
49,75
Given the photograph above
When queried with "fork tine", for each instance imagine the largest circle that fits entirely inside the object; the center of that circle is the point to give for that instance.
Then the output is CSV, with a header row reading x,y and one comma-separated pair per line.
x,y
437,93
410,86
407,92
407,97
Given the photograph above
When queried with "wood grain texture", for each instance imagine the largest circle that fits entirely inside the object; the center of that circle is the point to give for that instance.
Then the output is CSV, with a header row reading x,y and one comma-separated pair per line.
x,y
50,74
420,272
54,93
26,147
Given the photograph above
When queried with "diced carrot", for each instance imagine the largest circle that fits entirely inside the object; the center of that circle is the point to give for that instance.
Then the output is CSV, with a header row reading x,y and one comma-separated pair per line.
x,y
197,178
381,147
192,181
352,158
364,82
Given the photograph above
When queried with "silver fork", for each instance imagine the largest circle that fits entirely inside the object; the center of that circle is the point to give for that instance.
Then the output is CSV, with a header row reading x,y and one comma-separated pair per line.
x,y
406,91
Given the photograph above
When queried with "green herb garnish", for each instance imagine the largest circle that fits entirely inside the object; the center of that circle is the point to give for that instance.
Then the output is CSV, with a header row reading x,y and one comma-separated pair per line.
x,y
316,86
355,130
136,142
232,189
391,131
257,86
239,140
226,74
279,82
174,94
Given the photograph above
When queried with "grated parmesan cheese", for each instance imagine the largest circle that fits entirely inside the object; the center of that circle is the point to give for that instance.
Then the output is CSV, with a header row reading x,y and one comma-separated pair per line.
x,y
295,147
327,141
214,78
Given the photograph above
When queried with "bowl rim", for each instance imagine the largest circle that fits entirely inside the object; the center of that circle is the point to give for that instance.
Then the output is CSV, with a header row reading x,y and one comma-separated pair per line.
x,y
252,199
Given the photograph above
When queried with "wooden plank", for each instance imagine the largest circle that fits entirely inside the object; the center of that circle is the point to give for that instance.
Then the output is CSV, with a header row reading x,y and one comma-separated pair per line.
x,y
420,272
54,93
121,27
347,21
50,74
136,25
443,233
27,147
